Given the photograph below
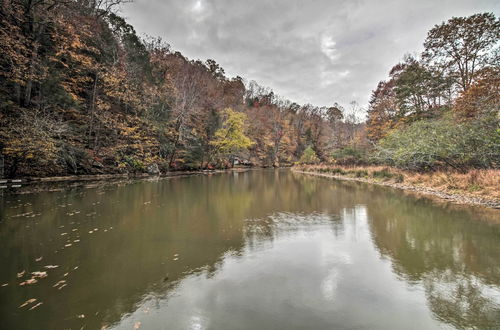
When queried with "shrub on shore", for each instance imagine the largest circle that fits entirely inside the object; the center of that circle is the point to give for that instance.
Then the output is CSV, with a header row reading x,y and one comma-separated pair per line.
x,y
432,144
309,157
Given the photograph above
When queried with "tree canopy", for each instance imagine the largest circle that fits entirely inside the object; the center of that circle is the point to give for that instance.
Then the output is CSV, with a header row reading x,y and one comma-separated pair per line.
x,y
82,93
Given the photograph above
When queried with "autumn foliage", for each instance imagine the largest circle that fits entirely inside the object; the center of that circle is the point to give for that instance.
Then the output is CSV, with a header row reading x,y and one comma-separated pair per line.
x,y
81,93
442,109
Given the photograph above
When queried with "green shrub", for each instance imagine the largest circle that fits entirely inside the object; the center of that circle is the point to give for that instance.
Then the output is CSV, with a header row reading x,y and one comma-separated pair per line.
x,y
350,155
309,157
429,144
360,173
338,170
383,174
135,164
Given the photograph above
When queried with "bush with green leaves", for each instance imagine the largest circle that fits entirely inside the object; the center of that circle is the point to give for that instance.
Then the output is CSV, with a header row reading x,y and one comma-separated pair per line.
x,y
350,155
431,144
309,157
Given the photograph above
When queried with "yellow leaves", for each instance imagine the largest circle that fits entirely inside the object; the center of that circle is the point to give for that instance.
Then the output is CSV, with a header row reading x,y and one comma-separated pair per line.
x,y
28,140
117,85
231,137
128,130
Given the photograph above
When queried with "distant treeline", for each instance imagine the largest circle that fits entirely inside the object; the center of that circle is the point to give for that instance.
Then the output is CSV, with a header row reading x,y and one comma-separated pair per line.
x,y
81,93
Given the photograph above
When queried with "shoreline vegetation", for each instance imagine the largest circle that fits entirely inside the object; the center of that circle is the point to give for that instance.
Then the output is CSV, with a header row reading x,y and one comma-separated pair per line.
x,y
474,187
83,96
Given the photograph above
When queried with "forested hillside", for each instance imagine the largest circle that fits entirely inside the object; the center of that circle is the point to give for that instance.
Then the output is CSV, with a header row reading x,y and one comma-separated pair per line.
x,y
82,93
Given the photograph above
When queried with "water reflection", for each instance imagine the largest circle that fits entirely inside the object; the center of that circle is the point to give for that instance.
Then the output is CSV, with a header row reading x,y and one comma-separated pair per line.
x,y
455,259
294,271
261,249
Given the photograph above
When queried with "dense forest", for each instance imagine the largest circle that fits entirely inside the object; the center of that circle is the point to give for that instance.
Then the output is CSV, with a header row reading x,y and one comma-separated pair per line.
x,y
82,93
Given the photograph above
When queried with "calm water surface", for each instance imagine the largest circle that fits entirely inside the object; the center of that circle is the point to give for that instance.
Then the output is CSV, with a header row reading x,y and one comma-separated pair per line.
x,y
252,250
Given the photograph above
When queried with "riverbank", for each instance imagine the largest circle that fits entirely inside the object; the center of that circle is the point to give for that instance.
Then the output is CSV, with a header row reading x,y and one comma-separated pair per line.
x,y
476,187
58,183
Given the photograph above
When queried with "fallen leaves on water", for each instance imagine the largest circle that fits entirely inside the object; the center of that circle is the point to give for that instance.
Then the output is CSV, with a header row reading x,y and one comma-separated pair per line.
x,y
26,215
28,282
59,283
39,274
33,307
27,302
20,274
137,325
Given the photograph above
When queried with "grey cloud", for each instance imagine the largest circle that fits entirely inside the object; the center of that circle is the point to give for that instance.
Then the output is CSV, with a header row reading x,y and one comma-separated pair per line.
x,y
317,51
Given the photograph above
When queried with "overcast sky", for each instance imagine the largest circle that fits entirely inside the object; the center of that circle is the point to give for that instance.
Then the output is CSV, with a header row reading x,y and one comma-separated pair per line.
x,y
315,51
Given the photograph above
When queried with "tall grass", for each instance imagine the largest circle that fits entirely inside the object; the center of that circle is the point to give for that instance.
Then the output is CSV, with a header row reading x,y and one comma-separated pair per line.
x,y
482,182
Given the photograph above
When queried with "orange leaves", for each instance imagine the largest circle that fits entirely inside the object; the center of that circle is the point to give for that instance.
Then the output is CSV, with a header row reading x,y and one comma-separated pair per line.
x,y
482,97
118,85
16,48
74,52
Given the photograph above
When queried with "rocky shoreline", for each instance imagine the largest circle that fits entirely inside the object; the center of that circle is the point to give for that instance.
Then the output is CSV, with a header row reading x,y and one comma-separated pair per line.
x,y
456,198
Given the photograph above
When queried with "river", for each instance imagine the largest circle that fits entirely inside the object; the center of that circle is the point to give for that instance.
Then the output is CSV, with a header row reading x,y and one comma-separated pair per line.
x,y
262,249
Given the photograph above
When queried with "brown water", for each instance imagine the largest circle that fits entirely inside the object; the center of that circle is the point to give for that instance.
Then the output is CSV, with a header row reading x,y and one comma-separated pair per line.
x,y
254,250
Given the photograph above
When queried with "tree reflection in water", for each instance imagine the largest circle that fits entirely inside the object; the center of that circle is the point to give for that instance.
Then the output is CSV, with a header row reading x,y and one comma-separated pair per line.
x,y
258,249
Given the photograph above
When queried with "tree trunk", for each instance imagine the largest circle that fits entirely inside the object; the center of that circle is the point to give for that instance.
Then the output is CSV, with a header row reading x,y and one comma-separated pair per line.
x,y
17,93
92,111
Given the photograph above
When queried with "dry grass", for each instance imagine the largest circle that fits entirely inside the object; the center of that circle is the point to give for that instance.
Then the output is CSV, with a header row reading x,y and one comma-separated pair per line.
x,y
479,182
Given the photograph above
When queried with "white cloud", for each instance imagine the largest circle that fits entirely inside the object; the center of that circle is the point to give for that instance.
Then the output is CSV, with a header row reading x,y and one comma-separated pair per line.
x,y
197,6
328,48
318,52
